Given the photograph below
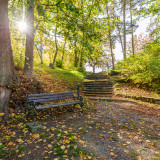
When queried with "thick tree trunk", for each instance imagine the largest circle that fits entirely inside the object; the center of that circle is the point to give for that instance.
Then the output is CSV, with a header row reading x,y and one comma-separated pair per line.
x,y
28,66
7,72
124,27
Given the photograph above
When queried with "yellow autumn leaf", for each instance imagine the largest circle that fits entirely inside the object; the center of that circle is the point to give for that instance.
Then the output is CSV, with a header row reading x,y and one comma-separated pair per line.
x,y
66,151
111,154
63,147
1,114
19,140
10,143
50,146
139,157
35,135
44,127
20,155
67,141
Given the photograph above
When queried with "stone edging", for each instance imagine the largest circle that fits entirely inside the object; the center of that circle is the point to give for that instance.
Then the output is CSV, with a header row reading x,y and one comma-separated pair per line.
x,y
143,99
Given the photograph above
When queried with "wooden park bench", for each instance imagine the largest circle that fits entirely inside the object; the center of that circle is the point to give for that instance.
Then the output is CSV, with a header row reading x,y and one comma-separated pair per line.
x,y
39,101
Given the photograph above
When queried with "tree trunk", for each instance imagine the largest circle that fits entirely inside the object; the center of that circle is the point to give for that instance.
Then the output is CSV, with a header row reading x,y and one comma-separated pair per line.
x,y
41,52
64,48
55,56
93,69
75,54
28,66
110,39
82,49
7,72
124,27
120,37
82,53
132,27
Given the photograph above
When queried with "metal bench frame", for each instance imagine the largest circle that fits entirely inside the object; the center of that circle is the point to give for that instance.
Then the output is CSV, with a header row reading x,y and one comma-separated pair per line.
x,y
34,100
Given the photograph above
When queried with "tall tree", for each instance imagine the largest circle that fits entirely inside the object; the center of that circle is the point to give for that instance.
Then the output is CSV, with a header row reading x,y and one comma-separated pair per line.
x,y
56,42
6,59
131,16
110,38
124,28
28,66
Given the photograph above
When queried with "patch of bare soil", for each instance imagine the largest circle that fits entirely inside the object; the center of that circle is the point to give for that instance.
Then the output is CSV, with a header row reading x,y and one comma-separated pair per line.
x,y
125,131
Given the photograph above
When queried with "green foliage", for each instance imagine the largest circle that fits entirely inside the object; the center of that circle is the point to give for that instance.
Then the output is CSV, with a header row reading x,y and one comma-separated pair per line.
x,y
59,63
144,68
73,78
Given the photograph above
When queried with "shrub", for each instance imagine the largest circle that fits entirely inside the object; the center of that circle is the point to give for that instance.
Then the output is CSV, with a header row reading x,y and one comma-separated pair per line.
x,y
144,68
59,63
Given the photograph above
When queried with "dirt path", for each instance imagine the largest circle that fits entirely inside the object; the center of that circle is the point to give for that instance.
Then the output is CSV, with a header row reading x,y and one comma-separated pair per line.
x,y
117,130
122,131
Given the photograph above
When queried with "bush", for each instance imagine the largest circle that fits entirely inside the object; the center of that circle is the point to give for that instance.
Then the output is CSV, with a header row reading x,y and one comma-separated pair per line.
x,y
59,63
144,68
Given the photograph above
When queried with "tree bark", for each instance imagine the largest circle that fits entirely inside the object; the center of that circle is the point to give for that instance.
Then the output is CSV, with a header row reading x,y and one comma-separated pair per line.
x,y
55,56
110,39
82,53
120,37
64,48
124,27
93,69
41,51
28,66
75,54
56,44
132,27
7,72
82,49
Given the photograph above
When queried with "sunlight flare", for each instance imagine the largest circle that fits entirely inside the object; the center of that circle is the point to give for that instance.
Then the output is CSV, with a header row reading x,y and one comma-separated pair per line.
x,y
22,26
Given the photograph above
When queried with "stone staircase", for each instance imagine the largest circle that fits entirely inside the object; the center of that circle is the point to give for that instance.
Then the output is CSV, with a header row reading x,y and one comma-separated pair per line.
x,y
98,85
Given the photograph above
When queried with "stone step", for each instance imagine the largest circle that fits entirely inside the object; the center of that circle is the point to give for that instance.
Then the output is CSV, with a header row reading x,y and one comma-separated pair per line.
x,y
94,95
95,81
97,76
98,93
98,88
93,78
98,84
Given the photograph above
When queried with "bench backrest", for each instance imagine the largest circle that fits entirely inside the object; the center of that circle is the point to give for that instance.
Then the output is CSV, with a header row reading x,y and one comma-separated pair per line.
x,y
49,97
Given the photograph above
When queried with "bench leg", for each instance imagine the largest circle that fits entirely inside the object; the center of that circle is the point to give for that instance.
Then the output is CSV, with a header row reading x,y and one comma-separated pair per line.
x,y
82,106
34,118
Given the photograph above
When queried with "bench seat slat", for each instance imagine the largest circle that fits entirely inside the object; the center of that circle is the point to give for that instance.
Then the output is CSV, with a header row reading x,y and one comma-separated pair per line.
x,y
57,105
48,94
53,96
49,99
